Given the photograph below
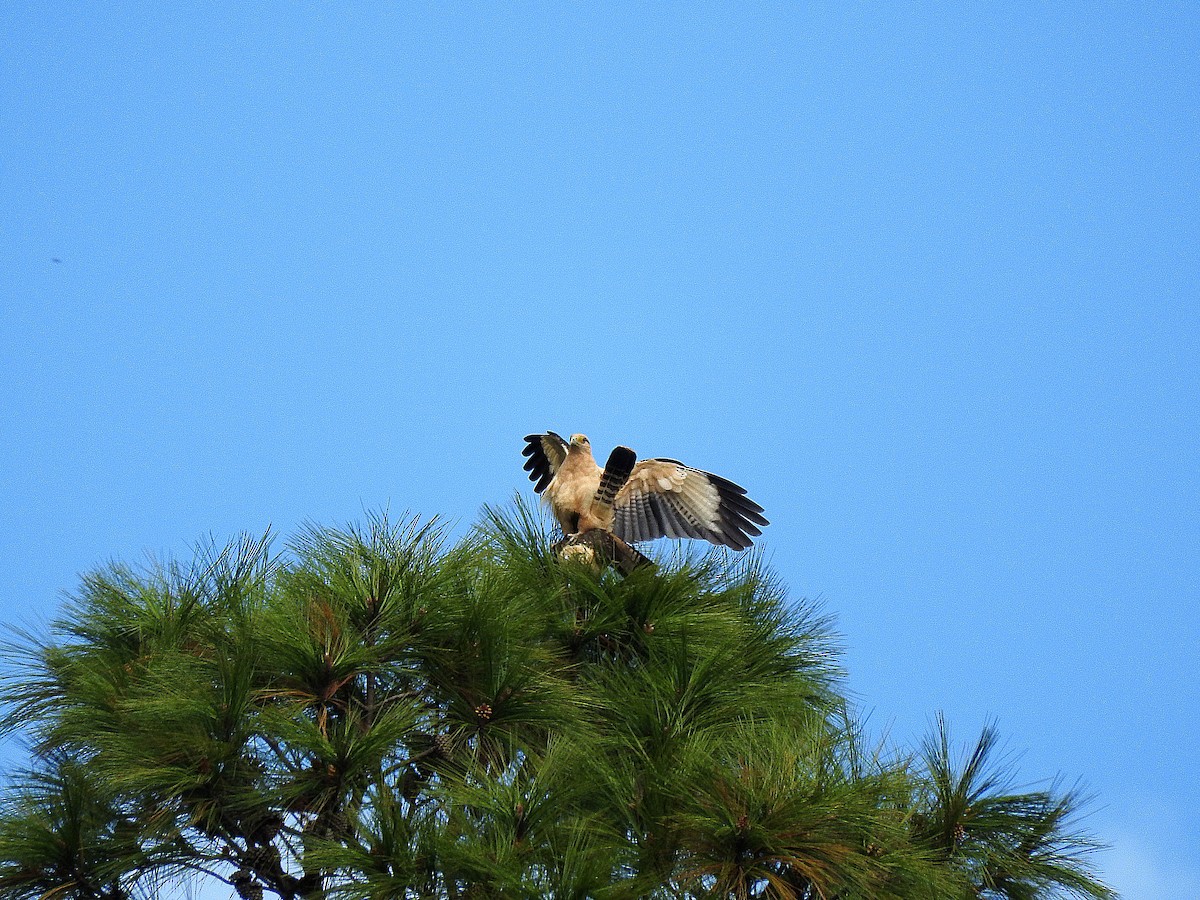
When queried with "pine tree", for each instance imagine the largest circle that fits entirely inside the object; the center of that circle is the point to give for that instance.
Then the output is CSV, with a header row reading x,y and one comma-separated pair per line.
x,y
378,713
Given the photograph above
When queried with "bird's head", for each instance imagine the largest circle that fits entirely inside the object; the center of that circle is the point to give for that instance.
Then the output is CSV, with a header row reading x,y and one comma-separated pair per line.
x,y
581,441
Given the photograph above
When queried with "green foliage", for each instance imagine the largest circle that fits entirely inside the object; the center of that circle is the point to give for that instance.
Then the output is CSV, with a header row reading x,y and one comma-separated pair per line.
x,y
378,713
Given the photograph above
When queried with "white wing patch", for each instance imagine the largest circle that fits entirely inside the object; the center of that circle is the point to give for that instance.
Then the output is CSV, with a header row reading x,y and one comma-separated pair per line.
x,y
702,499
664,498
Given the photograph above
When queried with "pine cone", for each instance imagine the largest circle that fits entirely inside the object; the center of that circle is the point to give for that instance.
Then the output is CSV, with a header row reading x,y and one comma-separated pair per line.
x,y
246,886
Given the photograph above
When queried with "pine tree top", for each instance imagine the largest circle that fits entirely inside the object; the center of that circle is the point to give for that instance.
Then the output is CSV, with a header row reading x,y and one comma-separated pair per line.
x,y
377,711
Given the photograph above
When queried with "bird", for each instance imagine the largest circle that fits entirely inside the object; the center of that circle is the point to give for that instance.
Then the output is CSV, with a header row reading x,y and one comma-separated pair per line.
x,y
638,500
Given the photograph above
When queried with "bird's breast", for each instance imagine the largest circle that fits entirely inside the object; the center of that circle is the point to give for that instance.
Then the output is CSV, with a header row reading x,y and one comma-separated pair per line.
x,y
574,486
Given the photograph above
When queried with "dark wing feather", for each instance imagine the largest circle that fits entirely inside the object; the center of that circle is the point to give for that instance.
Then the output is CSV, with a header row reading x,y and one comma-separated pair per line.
x,y
665,498
616,472
546,453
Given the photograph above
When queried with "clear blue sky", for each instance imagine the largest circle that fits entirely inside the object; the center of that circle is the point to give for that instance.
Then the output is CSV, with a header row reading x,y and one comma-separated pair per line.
x,y
925,278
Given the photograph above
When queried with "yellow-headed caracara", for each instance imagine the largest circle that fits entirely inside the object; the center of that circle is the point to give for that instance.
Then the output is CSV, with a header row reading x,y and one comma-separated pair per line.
x,y
637,501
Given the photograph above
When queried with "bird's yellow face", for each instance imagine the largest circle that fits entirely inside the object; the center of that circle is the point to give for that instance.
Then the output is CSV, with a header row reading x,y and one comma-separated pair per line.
x,y
581,441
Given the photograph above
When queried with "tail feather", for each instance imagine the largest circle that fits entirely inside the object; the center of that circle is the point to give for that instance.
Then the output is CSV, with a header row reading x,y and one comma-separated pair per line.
x,y
616,472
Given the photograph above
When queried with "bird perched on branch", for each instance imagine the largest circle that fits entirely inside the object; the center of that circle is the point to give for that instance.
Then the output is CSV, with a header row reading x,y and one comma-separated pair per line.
x,y
637,501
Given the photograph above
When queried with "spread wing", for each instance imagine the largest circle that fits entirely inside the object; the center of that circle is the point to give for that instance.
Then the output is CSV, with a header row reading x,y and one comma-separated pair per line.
x,y
665,498
546,453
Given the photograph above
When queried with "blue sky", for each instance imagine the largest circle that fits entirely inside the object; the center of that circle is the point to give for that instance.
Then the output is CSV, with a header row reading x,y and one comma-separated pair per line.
x,y
924,278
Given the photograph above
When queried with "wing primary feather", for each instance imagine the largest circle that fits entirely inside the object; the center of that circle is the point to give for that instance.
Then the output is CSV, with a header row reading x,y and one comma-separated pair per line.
x,y
746,507
643,515
685,522
623,524
670,524
731,517
734,539
684,516
654,527
545,454
663,513
741,501
750,515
